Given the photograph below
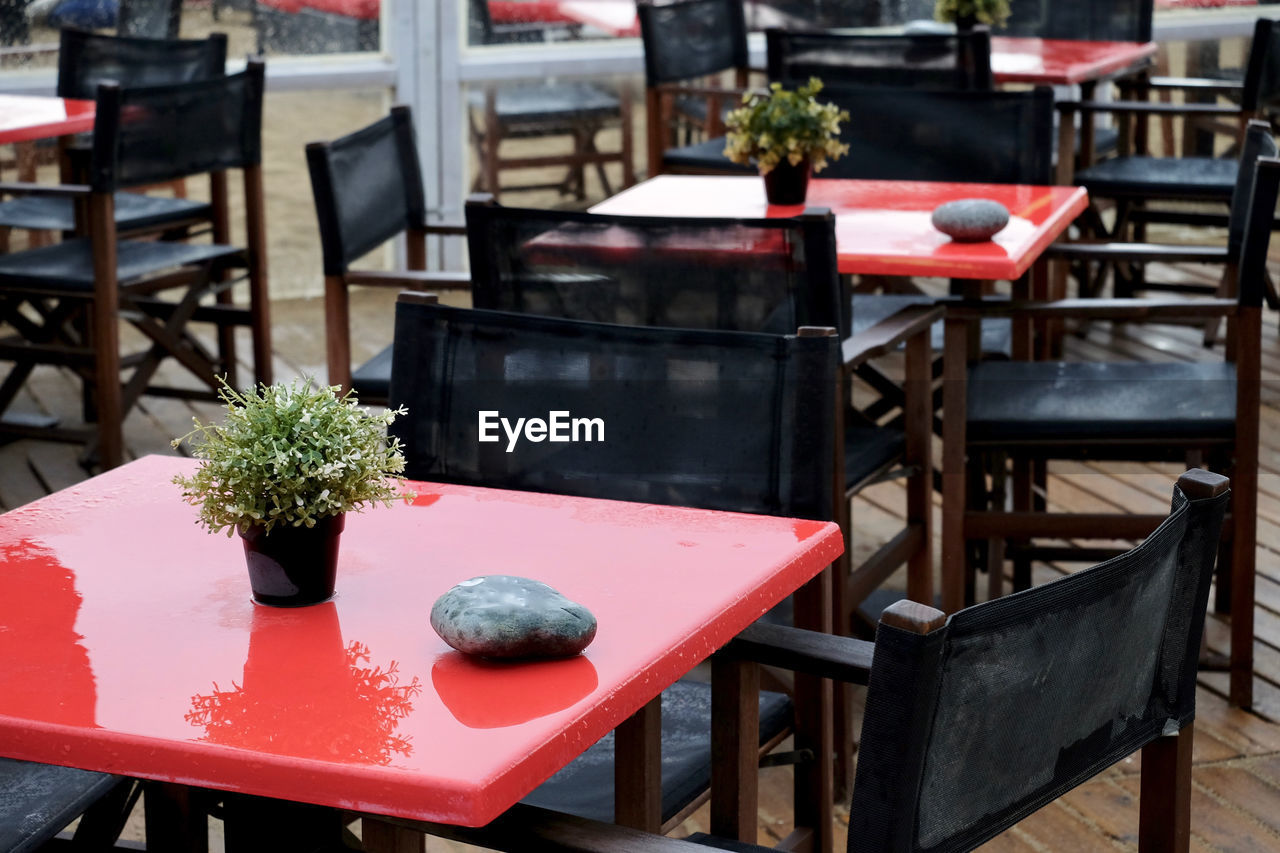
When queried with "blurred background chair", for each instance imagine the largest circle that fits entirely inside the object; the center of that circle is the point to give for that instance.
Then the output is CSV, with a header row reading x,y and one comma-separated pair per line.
x,y
968,727
367,188
87,59
40,800
1021,414
576,109
157,19
64,302
922,61
716,420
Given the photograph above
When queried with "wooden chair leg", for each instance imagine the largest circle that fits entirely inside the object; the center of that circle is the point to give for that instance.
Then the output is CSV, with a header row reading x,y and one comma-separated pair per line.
x,y
380,837
1164,822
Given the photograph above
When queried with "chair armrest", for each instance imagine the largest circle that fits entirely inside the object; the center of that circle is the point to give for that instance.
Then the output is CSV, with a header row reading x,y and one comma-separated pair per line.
x,y
411,279
448,229
1136,310
1145,108
703,91
524,827
885,336
56,190
1137,252
823,655
1198,84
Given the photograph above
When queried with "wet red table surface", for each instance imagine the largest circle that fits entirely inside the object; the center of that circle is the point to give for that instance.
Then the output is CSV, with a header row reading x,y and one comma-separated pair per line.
x,y
129,643
882,227
24,118
1058,62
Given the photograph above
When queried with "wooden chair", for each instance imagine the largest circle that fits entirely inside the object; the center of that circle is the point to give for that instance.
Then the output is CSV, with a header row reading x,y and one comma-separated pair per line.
x,y
1029,412
578,110
968,727
710,419
367,188
40,800
688,44
87,59
768,275
922,61
64,302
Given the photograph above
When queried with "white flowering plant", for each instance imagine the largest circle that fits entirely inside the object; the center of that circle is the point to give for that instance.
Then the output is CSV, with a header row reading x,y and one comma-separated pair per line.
x,y
785,124
291,455
991,12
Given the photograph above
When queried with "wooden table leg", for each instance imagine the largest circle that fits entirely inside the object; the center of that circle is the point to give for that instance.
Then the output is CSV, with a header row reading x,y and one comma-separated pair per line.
x,y
175,818
379,837
637,786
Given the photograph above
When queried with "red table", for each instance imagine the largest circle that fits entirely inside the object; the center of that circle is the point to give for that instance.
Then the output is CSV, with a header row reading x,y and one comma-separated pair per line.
x,y
882,227
1064,62
24,118
129,643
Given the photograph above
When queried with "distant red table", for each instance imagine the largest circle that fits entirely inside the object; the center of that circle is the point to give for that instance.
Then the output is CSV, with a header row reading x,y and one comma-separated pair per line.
x,y
25,118
882,227
129,643
1065,62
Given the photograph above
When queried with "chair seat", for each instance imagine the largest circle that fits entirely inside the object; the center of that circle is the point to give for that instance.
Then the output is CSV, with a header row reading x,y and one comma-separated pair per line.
x,y
372,380
1066,402
68,266
1206,178
872,308
707,156
868,448
585,787
542,103
133,211
38,800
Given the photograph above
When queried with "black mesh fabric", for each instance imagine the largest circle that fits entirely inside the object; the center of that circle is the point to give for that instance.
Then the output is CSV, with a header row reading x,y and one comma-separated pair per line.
x,y
849,59
718,420
367,188
1086,20
154,19
691,38
1262,76
1258,142
87,59
763,275
159,133
974,726
912,134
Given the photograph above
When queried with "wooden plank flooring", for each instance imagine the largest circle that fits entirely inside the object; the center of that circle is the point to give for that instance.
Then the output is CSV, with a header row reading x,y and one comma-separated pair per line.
x,y
1236,801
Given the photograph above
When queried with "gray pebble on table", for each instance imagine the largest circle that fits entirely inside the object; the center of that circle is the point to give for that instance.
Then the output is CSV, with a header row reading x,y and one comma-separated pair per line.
x,y
504,616
970,220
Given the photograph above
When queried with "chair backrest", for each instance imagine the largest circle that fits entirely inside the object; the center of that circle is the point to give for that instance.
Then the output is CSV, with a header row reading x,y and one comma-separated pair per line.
x,y
1085,20
691,38
748,275
1258,142
718,420
1256,239
973,726
86,59
914,134
956,61
159,133
1262,68
156,19
367,188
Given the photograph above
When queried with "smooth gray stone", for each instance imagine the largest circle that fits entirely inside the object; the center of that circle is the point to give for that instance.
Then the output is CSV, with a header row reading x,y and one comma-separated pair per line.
x,y
970,220
503,616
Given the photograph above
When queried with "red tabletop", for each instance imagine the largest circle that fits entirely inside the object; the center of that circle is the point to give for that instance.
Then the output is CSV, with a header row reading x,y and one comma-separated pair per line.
x,y
27,117
1058,62
882,227
129,643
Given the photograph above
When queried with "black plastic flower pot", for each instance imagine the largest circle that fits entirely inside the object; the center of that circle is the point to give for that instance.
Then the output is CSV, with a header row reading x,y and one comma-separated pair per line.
x,y
787,184
293,566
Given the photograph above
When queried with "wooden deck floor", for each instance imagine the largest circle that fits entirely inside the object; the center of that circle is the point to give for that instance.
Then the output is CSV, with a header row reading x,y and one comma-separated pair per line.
x,y
1236,801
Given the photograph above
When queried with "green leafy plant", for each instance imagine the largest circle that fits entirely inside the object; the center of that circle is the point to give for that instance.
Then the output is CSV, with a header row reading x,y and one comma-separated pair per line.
x,y
991,12
785,124
291,455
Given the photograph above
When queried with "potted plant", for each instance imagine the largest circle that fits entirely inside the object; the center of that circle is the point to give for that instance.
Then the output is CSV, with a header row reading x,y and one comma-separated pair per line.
x,y
969,13
283,470
789,135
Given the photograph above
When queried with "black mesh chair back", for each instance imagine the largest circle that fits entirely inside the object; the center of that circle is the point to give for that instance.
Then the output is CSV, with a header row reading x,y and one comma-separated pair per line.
x,y
958,61
1086,20
973,726
1262,72
718,420
1258,142
761,275
691,38
911,134
155,19
367,188
86,59
159,133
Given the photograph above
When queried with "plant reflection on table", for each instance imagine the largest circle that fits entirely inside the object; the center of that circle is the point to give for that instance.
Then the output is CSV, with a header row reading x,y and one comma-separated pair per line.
x,y
306,693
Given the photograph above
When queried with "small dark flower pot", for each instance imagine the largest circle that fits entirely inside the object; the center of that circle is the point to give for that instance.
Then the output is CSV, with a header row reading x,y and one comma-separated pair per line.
x,y
787,184
966,23
293,566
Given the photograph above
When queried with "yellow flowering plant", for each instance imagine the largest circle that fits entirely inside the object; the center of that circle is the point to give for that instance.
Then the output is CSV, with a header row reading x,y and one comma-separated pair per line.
x,y
785,124
291,455
990,12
